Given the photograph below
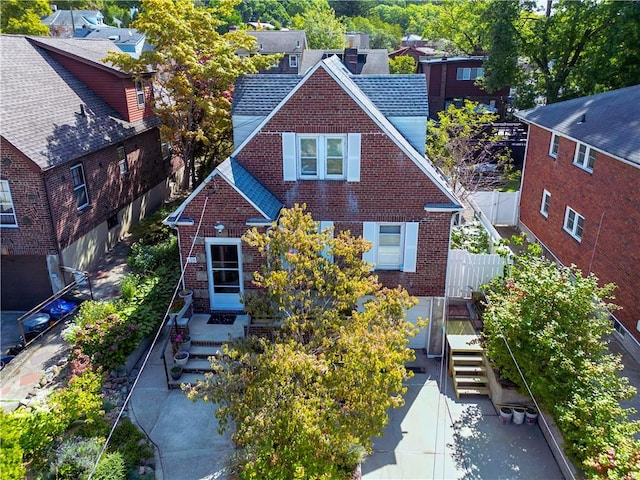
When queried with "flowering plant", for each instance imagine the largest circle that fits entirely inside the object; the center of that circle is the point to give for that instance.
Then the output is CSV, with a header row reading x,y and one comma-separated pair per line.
x,y
177,305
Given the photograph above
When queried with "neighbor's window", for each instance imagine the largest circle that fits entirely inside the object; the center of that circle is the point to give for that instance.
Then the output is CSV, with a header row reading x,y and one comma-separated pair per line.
x,y
79,186
554,146
293,61
573,223
469,73
544,207
7,211
122,161
140,92
585,157
390,243
321,157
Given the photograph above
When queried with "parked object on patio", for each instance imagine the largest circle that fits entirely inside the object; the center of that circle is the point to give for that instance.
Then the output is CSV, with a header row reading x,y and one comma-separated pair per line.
x,y
518,415
59,308
506,414
34,325
531,416
181,358
176,372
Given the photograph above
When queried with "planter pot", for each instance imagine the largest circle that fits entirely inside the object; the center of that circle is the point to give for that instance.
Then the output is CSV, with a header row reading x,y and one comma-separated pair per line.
x,y
181,358
186,294
518,416
531,416
506,414
186,345
176,373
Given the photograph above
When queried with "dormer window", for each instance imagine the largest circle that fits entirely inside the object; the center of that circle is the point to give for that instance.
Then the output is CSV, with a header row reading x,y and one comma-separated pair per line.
x,y
293,61
140,93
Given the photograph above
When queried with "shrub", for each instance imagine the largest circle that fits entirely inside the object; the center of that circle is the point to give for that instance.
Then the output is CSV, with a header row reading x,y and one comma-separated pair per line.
x,y
151,230
75,458
80,400
111,467
128,286
11,453
126,440
471,237
144,259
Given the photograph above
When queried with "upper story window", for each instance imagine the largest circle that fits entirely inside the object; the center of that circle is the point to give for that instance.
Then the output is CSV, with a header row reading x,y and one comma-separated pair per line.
x,y
554,146
122,161
293,61
466,73
585,157
7,211
321,157
79,186
544,206
140,92
394,245
573,223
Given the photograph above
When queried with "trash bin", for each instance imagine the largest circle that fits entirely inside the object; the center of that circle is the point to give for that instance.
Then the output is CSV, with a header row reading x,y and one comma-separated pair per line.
x,y
58,308
35,324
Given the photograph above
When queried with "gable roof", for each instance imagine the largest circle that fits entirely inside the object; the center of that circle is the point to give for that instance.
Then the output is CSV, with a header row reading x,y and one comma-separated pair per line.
x,y
260,94
377,59
80,18
241,181
607,121
40,111
279,41
334,67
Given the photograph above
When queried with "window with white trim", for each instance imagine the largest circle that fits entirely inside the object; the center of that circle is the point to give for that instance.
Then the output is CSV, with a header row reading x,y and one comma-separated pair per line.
x,y
122,161
394,245
466,73
293,61
139,92
321,157
573,223
7,211
544,206
79,186
554,146
585,157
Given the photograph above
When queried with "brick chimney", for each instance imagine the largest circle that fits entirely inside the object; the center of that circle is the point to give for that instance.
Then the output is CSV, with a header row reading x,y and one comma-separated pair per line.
x,y
351,59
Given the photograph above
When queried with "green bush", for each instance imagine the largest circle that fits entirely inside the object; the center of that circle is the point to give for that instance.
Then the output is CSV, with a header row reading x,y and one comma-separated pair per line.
x,y
128,286
75,458
111,467
471,237
151,230
11,452
126,440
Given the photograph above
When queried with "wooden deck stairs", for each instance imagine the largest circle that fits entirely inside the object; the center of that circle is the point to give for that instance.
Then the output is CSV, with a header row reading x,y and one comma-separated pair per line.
x,y
467,365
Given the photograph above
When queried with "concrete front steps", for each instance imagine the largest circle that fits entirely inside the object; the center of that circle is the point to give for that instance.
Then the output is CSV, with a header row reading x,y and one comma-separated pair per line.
x,y
198,363
467,366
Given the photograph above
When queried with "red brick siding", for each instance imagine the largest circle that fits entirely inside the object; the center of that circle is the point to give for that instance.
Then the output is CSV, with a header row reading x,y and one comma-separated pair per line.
x,y
614,251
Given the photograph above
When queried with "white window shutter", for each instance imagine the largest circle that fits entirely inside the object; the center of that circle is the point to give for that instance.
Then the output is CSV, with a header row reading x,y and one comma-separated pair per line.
x,y
353,157
370,234
289,156
410,246
323,226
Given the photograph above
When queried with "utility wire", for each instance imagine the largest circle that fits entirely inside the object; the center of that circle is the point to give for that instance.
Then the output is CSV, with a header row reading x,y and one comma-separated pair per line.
x,y
155,340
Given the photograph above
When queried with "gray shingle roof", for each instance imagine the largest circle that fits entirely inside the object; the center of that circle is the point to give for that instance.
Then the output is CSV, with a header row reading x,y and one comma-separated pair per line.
x,y
246,183
393,95
377,60
93,50
129,36
611,121
40,109
280,41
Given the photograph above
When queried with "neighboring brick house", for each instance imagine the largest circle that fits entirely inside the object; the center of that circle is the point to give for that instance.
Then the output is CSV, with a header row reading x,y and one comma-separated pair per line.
x,y
580,195
289,43
451,80
81,161
350,147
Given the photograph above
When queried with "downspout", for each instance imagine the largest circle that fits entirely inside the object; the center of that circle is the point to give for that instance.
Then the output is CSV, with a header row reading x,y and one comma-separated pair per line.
x,y
61,264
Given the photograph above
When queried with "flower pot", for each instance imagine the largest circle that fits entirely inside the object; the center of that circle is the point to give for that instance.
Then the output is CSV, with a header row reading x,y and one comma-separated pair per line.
x,y
186,345
531,416
506,414
187,294
176,372
181,358
518,415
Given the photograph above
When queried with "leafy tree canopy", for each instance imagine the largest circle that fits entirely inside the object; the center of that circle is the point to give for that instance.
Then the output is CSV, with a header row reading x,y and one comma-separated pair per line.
x,y
17,16
402,64
322,28
307,404
195,70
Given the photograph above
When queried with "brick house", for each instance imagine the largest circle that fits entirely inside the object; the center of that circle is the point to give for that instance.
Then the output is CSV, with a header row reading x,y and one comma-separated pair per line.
x,y
451,80
580,191
350,147
81,161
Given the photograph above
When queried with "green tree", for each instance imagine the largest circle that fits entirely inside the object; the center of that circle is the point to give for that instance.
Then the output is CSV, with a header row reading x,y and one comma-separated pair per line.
x,y
322,28
553,321
17,16
402,64
464,145
381,34
195,69
307,404
269,11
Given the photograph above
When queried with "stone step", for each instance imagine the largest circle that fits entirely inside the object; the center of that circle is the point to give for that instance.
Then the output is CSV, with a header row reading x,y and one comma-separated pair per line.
x,y
199,365
467,359
199,351
191,378
470,380
469,370
472,391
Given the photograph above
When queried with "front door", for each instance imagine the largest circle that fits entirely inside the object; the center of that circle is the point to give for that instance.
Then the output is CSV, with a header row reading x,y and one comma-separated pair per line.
x,y
224,261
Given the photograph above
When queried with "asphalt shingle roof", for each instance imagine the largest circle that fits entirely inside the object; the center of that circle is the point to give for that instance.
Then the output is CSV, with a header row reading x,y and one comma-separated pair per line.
x,y
280,41
93,50
40,110
377,60
257,193
393,95
607,121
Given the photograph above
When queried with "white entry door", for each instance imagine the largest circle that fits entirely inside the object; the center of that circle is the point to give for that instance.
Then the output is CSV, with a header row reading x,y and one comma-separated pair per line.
x,y
224,263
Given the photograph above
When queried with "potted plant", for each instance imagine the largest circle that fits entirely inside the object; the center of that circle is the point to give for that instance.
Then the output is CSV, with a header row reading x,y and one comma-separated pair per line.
x,y
180,341
186,294
176,372
181,358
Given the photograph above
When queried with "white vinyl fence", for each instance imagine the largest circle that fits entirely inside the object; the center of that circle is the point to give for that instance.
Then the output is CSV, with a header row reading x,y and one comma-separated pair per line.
x,y
500,208
468,271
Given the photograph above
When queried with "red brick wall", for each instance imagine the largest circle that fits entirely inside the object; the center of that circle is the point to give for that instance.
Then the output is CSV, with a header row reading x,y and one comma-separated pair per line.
x,y
610,194
391,188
